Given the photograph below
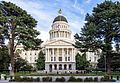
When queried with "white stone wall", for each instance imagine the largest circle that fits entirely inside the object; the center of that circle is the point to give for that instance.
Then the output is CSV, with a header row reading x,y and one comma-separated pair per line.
x,y
29,55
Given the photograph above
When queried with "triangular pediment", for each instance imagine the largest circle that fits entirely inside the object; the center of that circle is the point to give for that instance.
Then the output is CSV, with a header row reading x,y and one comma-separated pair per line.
x,y
60,42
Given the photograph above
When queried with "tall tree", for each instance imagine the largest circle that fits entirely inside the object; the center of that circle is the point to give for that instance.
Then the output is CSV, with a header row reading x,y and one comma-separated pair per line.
x,y
41,61
81,62
101,30
18,27
115,61
4,58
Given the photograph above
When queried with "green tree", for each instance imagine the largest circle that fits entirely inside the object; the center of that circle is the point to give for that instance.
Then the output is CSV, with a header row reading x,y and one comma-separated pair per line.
x,y
41,61
4,58
18,27
101,30
81,62
115,61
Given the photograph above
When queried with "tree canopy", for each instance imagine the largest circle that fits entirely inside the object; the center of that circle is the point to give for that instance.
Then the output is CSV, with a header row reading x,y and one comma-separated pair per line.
x,y
41,61
101,30
17,26
81,62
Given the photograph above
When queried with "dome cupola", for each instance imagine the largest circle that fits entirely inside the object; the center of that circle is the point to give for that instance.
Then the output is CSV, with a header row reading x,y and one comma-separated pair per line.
x,y
60,28
60,17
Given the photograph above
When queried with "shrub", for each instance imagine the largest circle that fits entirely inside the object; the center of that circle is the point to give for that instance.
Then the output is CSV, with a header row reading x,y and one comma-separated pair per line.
x,y
5,77
79,80
37,79
88,79
72,79
25,79
47,79
62,79
96,79
106,79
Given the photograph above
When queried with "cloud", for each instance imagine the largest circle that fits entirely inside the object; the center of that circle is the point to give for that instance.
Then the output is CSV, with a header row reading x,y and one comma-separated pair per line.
x,y
45,12
87,1
75,2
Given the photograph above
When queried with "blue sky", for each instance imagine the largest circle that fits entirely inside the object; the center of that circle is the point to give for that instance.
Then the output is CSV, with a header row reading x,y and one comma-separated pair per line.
x,y
44,11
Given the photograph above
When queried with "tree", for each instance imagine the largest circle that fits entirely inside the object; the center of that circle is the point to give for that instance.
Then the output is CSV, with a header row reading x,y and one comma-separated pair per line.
x,y
81,62
18,27
21,64
115,61
101,30
41,61
4,58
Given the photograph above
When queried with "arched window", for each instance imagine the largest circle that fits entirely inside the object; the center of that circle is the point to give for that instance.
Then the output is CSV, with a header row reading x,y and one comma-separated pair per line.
x,y
50,68
70,66
60,67
55,67
65,67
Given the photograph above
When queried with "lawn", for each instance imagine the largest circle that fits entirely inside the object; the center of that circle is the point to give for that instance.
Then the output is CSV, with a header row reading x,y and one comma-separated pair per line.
x,y
114,74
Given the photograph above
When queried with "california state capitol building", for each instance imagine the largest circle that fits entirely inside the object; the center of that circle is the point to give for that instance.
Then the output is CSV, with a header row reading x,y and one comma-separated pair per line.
x,y
59,50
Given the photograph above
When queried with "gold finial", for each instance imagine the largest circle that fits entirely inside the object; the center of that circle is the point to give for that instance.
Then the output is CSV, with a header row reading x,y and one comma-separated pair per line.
x,y
60,11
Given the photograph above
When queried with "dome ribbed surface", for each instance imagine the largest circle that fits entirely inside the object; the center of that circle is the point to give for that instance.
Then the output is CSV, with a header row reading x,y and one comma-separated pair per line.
x,y
60,18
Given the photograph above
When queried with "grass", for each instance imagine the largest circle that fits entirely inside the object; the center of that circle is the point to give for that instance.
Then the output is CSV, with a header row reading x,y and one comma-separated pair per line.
x,y
114,74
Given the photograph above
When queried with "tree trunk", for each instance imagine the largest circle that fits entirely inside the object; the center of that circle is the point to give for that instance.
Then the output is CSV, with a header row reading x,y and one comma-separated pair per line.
x,y
12,37
109,66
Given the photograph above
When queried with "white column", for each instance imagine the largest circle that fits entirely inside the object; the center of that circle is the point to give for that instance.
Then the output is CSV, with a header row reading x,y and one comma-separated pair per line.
x,y
57,54
48,55
72,55
53,53
67,54
57,66
67,66
63,58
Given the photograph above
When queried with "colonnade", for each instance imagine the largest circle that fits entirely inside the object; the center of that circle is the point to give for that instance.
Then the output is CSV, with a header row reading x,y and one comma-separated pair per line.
x,y
54,54
57,34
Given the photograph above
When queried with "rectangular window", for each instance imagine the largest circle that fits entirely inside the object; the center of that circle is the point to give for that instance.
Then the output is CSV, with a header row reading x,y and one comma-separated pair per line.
x,y
68,58
51,58
60,58
65,58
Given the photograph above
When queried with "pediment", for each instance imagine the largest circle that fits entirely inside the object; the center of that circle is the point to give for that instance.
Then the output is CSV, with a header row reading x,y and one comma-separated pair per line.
x,y
59,42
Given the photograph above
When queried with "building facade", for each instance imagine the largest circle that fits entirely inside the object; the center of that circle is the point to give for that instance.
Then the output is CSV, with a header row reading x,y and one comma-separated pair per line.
x,y
29,55
59,50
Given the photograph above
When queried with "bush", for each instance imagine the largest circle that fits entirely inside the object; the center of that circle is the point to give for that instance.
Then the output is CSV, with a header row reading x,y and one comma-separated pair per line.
x,y
88,79
62,79
106,79
25,79
79,80
96,79
47,79
5,77
72,79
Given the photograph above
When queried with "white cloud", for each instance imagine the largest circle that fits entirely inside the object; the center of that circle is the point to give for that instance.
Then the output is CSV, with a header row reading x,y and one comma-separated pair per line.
x,y
44,35
87,1
44,13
